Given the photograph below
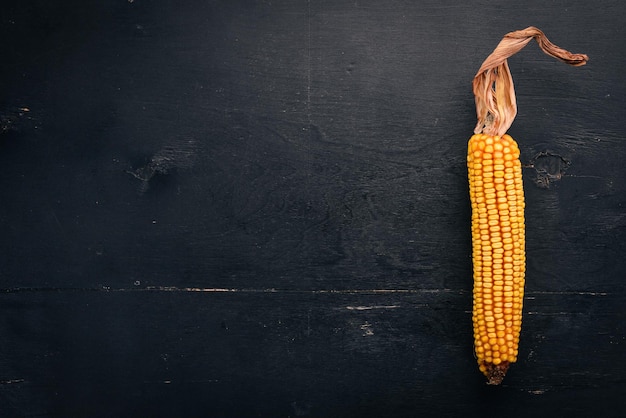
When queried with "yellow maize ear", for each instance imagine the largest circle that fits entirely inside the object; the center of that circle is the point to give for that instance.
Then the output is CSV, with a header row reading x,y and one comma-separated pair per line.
x,y
497,198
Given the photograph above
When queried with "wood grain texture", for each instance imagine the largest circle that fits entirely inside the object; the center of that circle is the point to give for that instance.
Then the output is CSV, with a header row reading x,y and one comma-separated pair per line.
x,y
261,209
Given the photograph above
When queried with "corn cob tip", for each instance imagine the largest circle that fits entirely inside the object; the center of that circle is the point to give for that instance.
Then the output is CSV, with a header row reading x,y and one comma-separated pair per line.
x,y
495,372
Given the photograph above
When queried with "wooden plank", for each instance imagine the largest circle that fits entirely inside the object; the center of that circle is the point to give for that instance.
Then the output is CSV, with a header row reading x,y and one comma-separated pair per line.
x,y
277,353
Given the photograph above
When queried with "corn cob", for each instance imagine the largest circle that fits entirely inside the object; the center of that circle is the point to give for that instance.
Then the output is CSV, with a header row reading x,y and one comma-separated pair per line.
x,y
497,200
497,196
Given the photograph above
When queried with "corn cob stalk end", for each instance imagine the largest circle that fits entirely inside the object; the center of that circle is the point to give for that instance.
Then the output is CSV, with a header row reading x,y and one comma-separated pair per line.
x,y
495,372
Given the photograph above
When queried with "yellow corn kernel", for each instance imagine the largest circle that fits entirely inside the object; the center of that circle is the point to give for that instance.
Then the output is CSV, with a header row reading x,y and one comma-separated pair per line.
x,y
498,251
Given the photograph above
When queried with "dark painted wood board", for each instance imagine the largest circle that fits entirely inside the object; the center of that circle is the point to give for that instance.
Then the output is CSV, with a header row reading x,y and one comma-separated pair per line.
x,y
261,209
295,354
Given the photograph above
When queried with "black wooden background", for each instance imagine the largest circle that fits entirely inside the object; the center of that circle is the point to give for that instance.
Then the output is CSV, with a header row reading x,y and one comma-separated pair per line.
x,y
260,208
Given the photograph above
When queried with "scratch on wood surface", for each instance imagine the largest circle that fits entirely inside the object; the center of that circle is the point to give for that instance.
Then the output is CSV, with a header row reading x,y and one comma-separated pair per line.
x,y
305,291
369,308
567,293
549,313
170,381
367,329
12,381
